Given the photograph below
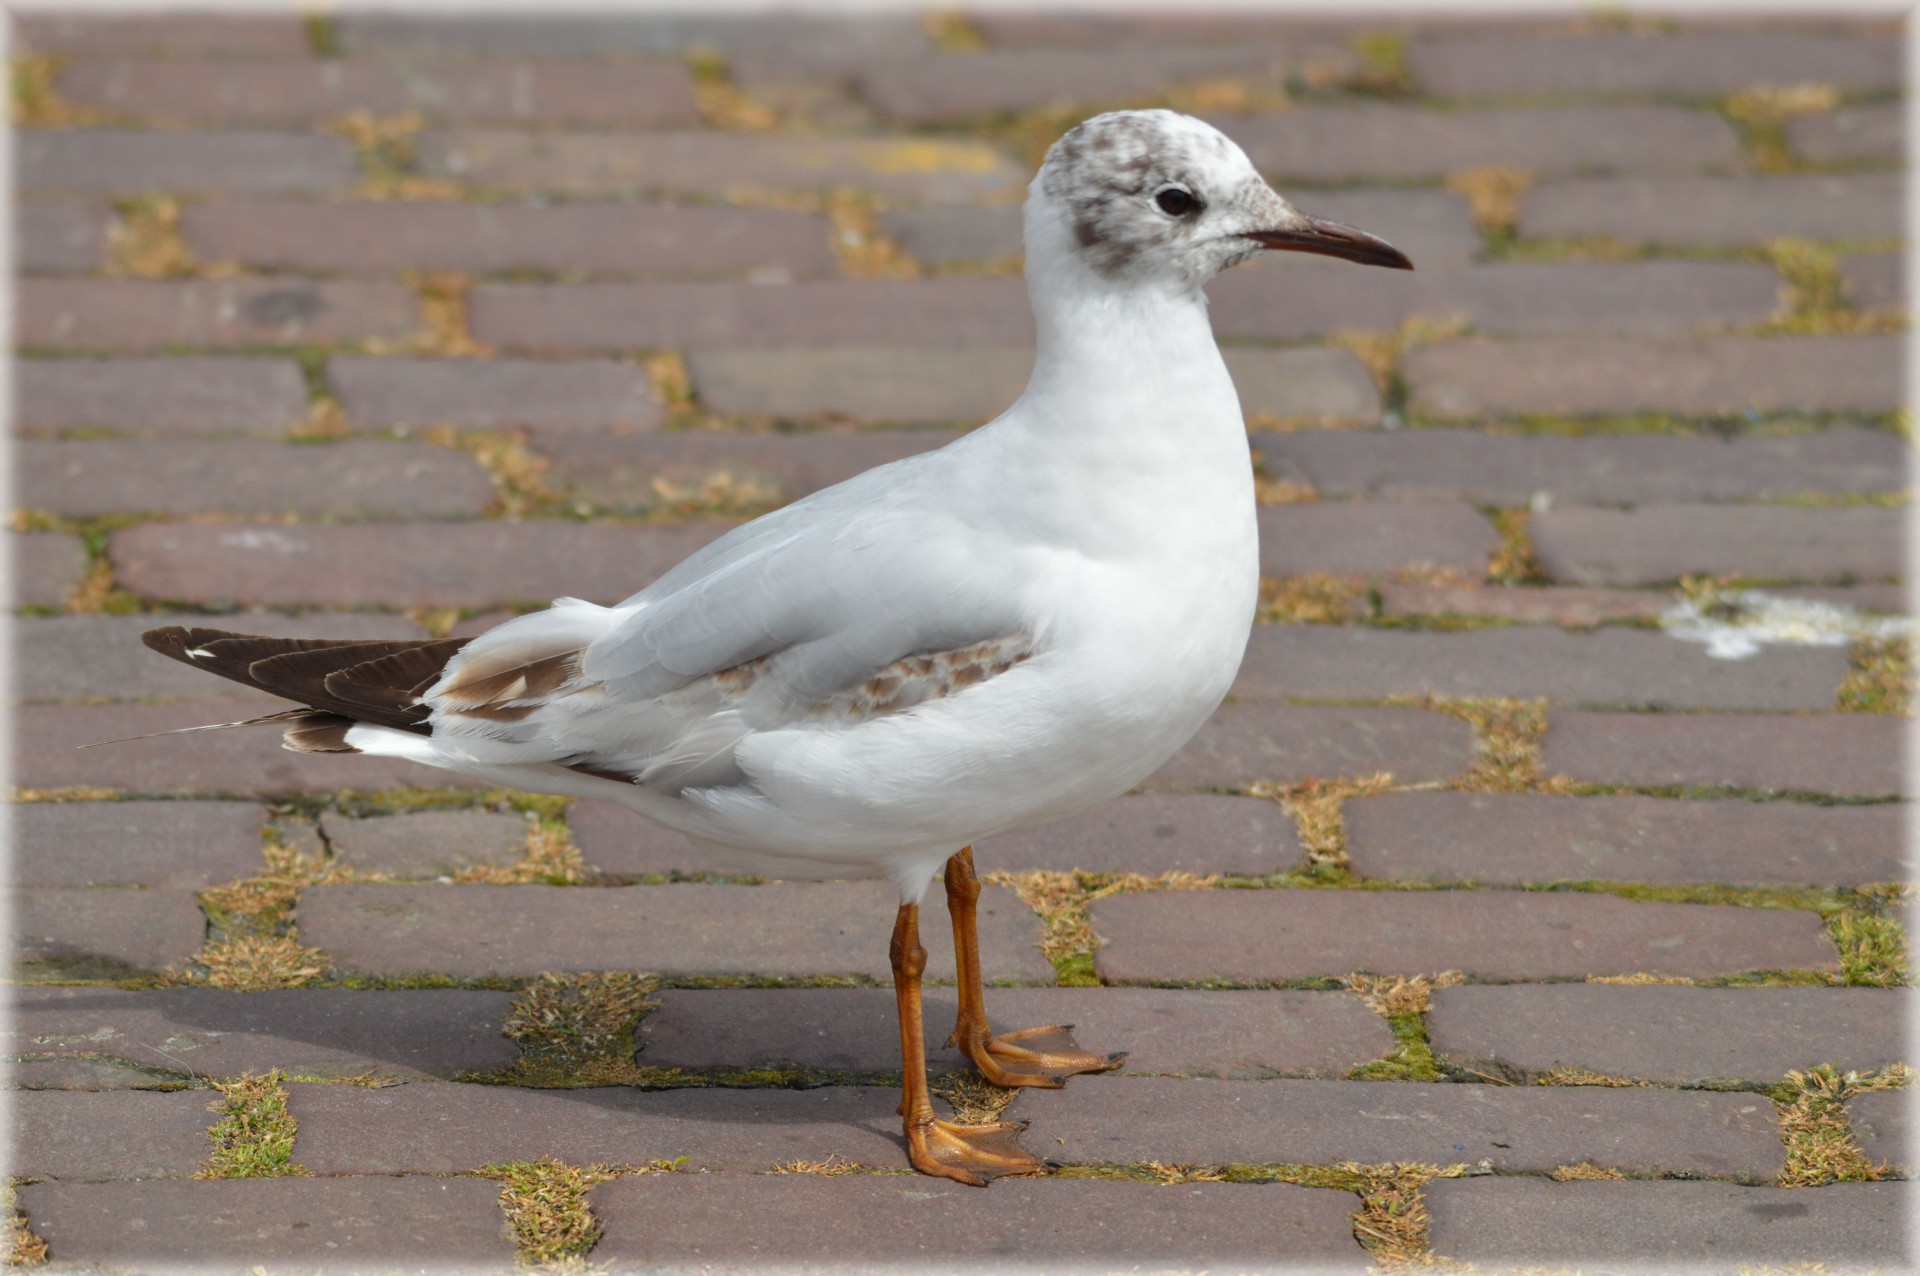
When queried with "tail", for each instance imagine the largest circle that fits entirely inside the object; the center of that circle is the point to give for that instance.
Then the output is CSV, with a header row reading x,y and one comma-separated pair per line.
x,y
337,682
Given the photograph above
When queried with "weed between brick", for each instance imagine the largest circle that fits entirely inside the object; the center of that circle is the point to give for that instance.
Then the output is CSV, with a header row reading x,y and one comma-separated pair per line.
x,y
1507,736
1513,563
1813,297
253,1139
1316,598
1380,352
517,473
1493,197
545,1202
1760,114
721,102
144,241
388,164
1062,899
864,250
24,1249
1314,807
1879,678
1821,1147
35,101
1403,1001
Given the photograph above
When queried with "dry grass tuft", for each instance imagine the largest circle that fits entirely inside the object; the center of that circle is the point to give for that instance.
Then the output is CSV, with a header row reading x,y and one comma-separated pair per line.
x,y
1760,114
1317,598
144,240
1643,980
1391,995
1314,807
974,1100
952,31
721,102
1507,740
1873,949
1062,899
1813,298
36,103
71,793
385,147
518,473
830,1167
1380,352
1392,1219
721,494
1812,1107
257,963
1273,491
325,421
672,388
579,1022
545,1202
864,250
253,1139
1513,563
1879,678
444,297
98,595
551,859
1585,1076
24,1249
1585,1171
1184,1173
1493,195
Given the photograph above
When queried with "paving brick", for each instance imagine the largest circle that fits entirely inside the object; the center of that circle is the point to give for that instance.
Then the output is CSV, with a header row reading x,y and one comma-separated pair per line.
x,y
1657,543
310,1031
353,479
1340,144
1314,387
305,90
1517,1129
1851,755
444,1129
426,843
947,234
620,318
1870,133
945,87
787,1220
45,566
1525,299
1574,608
174,845
82,1074
178,33
1719,210
658,241
47,754
1882,1121
487,394
1494,469
1242,744
714,163
114,161
1717,1227
124,1134
167,396
1714,377
1876,281
1606,668
775,930
367,1224
102,934
645,473
813,37
1267,935
62,238
1514,838
1180,1031
93,658
1697,64
139,315
475,564
1368,538
1671,1036
871,383
1887,598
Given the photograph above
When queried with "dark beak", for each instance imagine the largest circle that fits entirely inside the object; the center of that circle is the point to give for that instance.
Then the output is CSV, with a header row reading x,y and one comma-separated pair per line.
x,y
1331,239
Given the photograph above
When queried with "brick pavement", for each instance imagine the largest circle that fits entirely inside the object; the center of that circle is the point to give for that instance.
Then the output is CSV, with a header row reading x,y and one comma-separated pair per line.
x,y
1479,885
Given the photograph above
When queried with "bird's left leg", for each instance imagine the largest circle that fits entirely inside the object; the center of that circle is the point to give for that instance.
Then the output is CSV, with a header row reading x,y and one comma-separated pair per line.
x,y
1033,1056
972,1154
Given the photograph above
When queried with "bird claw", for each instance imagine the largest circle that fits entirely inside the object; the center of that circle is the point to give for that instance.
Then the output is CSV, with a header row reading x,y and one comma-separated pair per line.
x,y
970,1154
1043,1057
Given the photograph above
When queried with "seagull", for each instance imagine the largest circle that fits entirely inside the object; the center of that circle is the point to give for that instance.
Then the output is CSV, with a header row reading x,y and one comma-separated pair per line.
x,y
988,637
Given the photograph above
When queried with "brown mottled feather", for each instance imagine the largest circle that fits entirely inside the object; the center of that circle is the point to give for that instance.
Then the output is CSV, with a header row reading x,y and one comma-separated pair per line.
x,y
491,692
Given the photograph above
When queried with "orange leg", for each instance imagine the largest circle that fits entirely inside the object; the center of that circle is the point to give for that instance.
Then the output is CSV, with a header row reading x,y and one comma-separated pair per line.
x,y
972,1154
1034,1056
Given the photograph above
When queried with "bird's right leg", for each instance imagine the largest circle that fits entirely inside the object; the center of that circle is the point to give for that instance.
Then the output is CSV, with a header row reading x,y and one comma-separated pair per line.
x,y
971,1154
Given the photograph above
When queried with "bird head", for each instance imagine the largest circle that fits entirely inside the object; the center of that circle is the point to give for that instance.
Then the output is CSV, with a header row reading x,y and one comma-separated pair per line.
x,y
1150,197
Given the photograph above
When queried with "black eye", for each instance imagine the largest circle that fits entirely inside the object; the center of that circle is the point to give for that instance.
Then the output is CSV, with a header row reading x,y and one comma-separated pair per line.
x,y
1175,202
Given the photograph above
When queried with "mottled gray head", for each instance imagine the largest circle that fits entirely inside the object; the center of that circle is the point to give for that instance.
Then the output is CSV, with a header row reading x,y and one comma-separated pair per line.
x,y
1156,196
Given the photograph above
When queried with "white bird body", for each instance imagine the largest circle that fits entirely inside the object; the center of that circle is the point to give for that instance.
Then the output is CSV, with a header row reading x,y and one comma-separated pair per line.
x,y
1107,516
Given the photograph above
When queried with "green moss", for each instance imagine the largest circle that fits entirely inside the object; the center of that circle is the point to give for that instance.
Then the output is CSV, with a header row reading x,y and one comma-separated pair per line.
x,y
1873,949
1879,678
323,35
1411,1058
1075,970
253,1138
